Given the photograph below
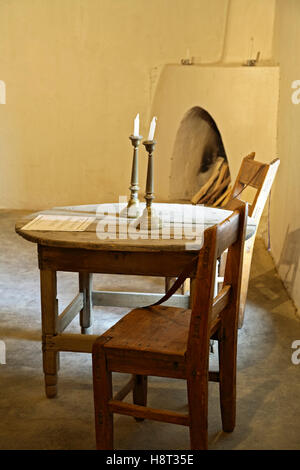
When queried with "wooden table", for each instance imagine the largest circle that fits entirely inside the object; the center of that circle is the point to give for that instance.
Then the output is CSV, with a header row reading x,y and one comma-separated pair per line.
x,y
85,253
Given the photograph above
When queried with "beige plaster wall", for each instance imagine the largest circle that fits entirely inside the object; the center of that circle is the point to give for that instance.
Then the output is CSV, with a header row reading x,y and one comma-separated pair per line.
x,y
78,71
76,74
285,209
249,30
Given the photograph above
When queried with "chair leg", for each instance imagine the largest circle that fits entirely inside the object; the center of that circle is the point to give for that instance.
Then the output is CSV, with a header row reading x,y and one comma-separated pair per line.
x,y
185,288
102,383
248,252
168,282
198,412
227,364
140,392
86,314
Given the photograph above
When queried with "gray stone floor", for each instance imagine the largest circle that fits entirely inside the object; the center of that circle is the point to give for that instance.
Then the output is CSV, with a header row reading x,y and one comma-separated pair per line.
x,y
268,387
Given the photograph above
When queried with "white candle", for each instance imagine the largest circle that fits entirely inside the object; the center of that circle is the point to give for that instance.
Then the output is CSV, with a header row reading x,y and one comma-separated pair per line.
x,y
136,128
152,129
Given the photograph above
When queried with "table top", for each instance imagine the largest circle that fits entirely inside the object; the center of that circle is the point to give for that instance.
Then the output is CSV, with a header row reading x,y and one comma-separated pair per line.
x,y
111,230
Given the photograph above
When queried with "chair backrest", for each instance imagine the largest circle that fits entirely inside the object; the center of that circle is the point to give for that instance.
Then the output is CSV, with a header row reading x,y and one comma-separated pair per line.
x,y
230,234
256,175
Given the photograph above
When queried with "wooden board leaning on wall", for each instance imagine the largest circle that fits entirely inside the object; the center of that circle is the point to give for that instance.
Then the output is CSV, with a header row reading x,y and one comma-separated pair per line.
x,y
216,191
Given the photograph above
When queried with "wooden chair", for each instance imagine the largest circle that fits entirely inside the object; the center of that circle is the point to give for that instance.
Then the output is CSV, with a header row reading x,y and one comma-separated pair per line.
x,y
259,176
173,342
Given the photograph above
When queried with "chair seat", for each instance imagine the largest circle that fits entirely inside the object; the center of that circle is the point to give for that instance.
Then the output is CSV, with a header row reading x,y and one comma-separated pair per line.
x,y
158,329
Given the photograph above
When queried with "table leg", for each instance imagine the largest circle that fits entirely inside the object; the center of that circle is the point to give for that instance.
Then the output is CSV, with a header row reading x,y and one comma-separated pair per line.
x,y
169,281
49,306
86,314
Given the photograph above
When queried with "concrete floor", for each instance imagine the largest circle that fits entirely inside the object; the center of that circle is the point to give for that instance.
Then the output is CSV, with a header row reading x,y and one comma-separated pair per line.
x,y
268,385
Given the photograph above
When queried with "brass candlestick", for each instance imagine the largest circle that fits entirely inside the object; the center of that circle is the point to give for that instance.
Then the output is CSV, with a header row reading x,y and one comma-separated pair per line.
x,y
149,218
133,206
